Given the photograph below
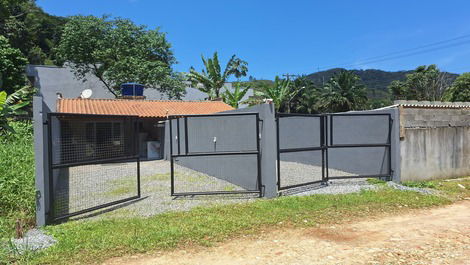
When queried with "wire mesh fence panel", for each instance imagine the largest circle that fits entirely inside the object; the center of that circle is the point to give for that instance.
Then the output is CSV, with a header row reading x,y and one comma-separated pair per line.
x,y
94,162
78,139
83,187
228,173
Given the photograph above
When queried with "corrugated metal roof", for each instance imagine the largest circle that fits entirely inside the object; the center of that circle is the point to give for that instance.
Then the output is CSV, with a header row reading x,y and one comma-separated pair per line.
x,y
141,108
432,104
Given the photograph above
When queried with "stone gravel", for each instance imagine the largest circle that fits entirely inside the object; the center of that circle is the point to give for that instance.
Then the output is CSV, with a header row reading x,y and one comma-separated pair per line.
x,y
33,240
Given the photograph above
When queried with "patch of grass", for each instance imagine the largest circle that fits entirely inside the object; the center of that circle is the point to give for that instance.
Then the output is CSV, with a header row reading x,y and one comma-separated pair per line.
x,y
95,241
376,181
17,189
451,188
420,184
121,190
159,177
229,188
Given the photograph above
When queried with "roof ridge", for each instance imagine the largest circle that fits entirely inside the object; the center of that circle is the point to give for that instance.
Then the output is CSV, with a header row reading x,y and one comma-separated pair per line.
x,y
143,100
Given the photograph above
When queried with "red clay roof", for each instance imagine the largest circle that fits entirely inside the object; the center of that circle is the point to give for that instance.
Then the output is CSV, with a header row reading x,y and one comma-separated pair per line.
x,y
141,108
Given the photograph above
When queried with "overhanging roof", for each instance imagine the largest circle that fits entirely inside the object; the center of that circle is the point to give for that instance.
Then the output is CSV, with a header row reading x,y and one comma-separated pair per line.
x,y
141,108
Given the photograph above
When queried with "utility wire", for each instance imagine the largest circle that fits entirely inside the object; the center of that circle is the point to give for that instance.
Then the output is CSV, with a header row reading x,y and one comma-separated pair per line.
x,y
408,52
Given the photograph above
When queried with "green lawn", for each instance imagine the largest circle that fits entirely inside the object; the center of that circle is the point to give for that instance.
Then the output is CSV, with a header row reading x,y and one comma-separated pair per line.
x,y
95,241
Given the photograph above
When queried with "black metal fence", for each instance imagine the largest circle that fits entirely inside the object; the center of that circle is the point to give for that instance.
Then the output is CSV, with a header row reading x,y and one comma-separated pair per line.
x,y
215,154
314,149
93,162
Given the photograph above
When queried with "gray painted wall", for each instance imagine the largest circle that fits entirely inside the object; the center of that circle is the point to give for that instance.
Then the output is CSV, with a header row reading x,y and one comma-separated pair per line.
x,y
51,80
435,143
40,111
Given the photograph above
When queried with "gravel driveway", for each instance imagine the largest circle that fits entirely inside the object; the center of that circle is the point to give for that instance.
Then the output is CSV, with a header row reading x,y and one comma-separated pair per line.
x,y
92,185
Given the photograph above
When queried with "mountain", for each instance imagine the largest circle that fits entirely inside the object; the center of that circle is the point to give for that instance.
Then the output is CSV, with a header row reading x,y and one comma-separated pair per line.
x,y
375,80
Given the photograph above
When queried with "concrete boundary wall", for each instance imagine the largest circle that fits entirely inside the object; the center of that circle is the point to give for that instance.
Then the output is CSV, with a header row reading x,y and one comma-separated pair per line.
x,y
435,140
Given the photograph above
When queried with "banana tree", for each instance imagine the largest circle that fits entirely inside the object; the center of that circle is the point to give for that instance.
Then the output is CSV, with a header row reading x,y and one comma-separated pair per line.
x,y
211,79
12,105
279,92
234,98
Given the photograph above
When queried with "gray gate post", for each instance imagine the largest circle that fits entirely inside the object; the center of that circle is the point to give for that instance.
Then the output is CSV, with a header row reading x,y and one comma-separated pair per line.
x,y
268,150
40,111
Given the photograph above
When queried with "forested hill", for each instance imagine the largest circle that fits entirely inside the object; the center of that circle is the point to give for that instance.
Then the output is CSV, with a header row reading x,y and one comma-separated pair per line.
x,y
31,30
373,79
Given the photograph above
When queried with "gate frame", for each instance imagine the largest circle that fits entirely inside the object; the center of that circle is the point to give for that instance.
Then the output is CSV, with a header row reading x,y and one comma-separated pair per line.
x,y
51,219
326,142
193,154
387,145
323,148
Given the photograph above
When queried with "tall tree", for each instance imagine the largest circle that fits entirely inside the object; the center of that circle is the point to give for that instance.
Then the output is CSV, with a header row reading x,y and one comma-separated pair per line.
x,y
211,79
12,67
234,97
426,83
305,95
278,92
459,90
117,51
343,92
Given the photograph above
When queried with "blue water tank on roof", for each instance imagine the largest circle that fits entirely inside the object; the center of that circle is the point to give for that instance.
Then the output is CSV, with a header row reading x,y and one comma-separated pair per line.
x,y
132,89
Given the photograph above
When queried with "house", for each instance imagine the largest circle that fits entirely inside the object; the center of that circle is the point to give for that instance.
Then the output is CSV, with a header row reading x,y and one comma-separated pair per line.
x,y
151,113
52,81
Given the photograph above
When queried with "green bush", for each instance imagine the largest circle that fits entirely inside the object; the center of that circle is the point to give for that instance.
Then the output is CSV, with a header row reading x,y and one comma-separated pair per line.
x,y
419,184
16,178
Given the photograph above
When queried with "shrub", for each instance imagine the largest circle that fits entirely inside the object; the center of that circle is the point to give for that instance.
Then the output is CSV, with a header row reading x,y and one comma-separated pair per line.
x,y
16,178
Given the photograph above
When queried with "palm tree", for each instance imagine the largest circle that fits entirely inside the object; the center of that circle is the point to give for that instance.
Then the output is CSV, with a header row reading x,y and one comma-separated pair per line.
x,y
279,92
343,92
234,98
212,79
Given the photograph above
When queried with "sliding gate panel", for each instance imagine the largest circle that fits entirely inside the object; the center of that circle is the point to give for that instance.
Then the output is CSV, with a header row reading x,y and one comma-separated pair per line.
x,y
359,145
301,150
94,162
215,154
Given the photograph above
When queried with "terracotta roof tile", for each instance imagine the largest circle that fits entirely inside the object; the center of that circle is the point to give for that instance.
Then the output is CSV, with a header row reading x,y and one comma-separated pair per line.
x,y
141,108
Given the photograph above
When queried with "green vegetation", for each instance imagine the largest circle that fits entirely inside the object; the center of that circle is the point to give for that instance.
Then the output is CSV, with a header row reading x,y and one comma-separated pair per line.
x,y
425,83
460,89
420,184
280,92
101,47
234,97
343,92
212,79
376,181
29,29
12,65
16,178
13,105
95,241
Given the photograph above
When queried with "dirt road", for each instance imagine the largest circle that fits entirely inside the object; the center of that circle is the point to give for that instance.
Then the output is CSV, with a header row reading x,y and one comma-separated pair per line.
x,y
434,236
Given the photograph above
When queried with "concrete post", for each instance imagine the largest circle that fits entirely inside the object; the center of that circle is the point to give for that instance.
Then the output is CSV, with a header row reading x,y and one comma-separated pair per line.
x,y
268,150
41,160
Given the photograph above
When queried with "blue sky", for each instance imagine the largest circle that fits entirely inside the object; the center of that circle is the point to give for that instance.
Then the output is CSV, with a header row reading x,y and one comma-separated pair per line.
x,y
299,37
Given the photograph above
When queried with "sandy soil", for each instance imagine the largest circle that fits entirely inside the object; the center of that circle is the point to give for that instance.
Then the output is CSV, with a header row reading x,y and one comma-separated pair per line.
x,y
433,236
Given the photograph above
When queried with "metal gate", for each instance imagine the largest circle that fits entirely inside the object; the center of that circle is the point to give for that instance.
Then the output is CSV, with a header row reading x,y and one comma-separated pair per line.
x,y
215,154
297,151
93,162
314,149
